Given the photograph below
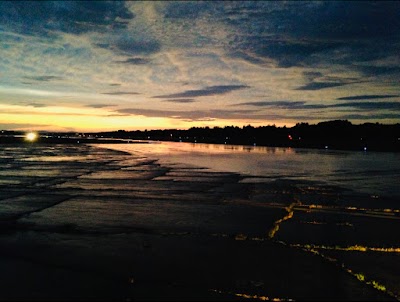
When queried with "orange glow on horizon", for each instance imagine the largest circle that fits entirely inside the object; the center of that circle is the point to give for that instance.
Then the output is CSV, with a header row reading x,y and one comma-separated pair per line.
x,y
82,119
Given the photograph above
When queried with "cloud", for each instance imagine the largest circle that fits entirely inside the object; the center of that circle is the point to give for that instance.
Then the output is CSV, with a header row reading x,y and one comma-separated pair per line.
x,y
300,105
323,85
211,90
199,120
36,105
48,17
369,105
374,116
248,58
98,106
187,9
311,75
192,115
276,104
312,33
290,52
121,93
368,97
43,78
180,100
129,45
20,126
138,46
135,61
373,70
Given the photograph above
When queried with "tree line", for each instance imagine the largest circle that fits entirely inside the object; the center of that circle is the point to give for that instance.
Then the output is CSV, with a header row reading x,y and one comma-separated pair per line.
x,y
338,134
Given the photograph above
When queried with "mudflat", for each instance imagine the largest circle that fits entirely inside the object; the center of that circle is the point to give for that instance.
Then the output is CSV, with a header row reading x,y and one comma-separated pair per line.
x,y
80,222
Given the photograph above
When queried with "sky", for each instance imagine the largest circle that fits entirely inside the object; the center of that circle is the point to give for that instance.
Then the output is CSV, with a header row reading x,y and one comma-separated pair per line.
x,y
97,66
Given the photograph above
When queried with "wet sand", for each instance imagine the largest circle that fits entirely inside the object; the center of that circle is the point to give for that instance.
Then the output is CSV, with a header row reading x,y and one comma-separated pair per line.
x,y
88,223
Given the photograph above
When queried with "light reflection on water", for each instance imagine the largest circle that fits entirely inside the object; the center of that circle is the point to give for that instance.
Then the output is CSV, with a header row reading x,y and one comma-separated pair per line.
x,y
370,172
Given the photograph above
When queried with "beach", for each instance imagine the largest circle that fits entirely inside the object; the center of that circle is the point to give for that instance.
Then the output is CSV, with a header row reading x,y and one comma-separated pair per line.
x,y
86,222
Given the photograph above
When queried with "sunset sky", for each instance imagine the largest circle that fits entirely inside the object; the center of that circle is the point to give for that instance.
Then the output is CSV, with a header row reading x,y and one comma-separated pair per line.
x,y
92,66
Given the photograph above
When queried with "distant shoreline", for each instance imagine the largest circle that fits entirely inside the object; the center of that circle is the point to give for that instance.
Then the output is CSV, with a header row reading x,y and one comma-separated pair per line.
x,y
335,135
20,141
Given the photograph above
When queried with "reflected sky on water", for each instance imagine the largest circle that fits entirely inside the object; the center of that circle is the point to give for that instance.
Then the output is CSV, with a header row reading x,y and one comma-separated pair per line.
x,y
375,173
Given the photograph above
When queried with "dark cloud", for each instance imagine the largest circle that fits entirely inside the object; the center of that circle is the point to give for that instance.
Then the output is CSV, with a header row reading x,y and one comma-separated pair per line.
x,y
180,100
368,97
43,78
190,9
323,85
308,33
300,105
276,104
248,58
311,75
121,93
211,90
135,61
372,70
115,84
331,20
289,52
98,105
132,46
46,17
303,33
37,105
369,105
374,116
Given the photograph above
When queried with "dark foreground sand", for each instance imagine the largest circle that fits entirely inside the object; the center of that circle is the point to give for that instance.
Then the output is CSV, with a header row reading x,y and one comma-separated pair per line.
x,y
87,223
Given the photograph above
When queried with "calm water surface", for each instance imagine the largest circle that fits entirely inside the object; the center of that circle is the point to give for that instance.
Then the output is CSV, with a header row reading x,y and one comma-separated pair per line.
x,y
375,173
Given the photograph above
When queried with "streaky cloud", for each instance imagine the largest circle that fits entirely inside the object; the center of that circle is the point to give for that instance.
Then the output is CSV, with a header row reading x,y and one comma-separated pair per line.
x,y
369,105
300,105
137,46
311,75
371,70
199,120
135,61
208,91
323,85
189,115
97,106
180,100
43,78
379,116
17,126
121,93
277,104
368,97
131,46
36,105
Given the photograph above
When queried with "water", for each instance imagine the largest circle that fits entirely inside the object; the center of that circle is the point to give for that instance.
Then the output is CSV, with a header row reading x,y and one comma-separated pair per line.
x,y
374,173
83,222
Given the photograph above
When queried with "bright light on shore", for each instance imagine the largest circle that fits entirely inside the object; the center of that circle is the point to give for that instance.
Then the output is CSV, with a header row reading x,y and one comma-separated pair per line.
x,y
31,136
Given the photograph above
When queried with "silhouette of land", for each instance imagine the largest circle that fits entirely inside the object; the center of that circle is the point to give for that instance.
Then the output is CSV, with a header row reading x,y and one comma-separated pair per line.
x,y
337,134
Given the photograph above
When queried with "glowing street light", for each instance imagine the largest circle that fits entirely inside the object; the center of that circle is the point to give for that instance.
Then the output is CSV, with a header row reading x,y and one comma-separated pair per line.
x,y
31,136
